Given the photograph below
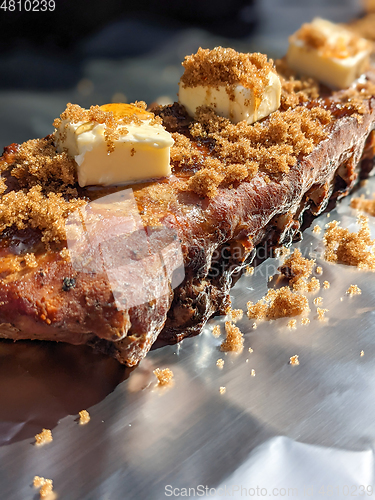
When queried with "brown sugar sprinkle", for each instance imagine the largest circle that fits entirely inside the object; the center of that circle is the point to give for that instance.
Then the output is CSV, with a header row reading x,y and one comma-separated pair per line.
x,y
222,390
164,376
84,417
235,315
321,312
35,166
216,331
30,260
249,271
234,340
292,324
251,350
252,373
239,150
318,301
305,321
44,437
45,485
225,66
296,268
354,97
351,248
319,270
317,229
282,252
220,363
362,353
37,210
36,162
294,361
364,205
353,290
326,285
279,303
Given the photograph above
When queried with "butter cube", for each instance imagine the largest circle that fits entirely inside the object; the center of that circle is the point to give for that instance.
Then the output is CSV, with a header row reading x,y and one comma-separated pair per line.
x,y
330,53
238,104
237,86
127,147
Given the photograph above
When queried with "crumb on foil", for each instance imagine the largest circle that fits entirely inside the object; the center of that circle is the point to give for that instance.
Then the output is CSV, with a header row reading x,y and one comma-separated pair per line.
x,y
84,417
164,376
43,437
234,339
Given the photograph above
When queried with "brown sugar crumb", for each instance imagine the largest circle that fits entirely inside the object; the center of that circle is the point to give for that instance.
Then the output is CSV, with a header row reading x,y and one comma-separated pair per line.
x,y
279,303
234,340
251,350
45,485
249,271
65,254
353,290
223,66
222,390
319,270
164,376
282,252
205,182
318,301
37,162
326,285
220,363
44,437
30,260
292,324
297,268
43,194
317,229
321,312
235,315
45,212
294,361
364,205
252,373
255,326
362,353
239,151
216,331
84,417
305,321
351,248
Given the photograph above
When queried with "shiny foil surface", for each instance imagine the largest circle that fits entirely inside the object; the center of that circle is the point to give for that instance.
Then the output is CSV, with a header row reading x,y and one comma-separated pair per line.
x,y
298,429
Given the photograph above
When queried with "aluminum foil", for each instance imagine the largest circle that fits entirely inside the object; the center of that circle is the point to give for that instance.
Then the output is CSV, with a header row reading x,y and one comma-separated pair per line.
x,y
305,430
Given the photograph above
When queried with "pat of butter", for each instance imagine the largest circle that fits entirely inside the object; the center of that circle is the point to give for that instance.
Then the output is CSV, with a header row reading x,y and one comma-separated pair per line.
x,y
337,60
236,103
140,152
